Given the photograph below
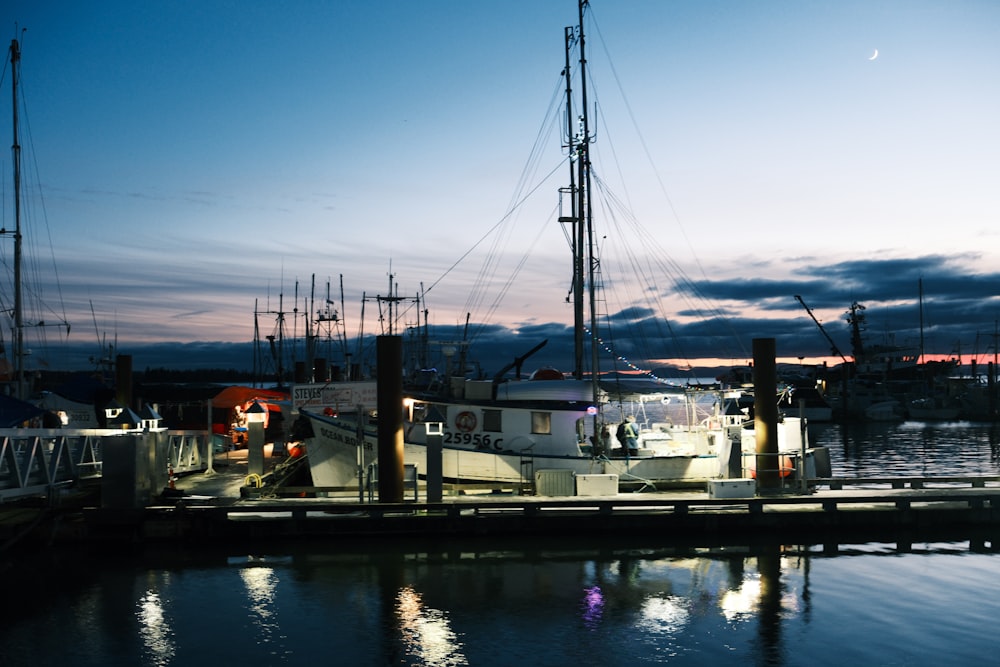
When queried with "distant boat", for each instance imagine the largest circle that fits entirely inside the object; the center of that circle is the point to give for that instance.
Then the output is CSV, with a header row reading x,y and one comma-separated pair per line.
x,y
77,401
882,359
931,408
805,401
885,410
505,431
884,377
798,395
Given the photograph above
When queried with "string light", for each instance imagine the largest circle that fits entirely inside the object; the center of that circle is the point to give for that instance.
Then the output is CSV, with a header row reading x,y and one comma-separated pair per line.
x,y
625,361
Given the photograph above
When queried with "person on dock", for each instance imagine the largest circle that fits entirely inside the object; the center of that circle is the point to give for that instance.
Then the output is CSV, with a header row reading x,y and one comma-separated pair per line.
x,y
631,435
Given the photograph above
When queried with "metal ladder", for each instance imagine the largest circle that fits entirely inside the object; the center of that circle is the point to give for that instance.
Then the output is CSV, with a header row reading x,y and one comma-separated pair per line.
x,y
527,486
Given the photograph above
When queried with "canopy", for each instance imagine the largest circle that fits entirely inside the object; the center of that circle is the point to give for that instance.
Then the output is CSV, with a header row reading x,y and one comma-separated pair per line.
x,y
230,397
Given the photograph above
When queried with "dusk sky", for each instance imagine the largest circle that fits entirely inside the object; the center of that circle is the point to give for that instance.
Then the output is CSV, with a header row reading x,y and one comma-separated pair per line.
x,y
185,161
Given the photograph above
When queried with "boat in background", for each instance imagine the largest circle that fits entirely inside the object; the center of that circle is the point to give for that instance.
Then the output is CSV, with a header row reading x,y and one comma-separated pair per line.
x,y
934,408
888,381
15,377
798,394
887,410
79,402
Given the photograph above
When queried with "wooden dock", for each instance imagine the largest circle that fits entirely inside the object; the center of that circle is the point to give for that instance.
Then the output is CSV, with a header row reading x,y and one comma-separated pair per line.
x,y
892,505
220,508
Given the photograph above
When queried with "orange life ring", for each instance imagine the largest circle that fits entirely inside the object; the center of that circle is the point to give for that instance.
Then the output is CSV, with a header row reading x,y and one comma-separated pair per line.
x,y
785,467
465,422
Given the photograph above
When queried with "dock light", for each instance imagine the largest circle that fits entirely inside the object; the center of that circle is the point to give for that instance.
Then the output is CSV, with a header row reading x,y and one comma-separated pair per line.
x,y
256,413
435,461
150,417
113,409
125,420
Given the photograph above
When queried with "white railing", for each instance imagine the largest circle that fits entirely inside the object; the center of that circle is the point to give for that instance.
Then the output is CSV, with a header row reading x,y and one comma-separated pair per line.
x,y
39,462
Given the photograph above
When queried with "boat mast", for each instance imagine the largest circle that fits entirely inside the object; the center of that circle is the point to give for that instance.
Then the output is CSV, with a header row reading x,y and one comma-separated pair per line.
x,y
588,211
576,228
311,333
15,58
585,227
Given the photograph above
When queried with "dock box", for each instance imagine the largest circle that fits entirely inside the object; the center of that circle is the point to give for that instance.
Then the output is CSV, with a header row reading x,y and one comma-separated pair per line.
x,y
732,488
555,482
597,485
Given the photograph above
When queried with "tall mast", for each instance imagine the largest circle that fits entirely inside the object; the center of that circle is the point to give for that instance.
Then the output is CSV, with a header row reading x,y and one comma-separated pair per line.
x,y
15,59
585,228
587,209
311,334
574,218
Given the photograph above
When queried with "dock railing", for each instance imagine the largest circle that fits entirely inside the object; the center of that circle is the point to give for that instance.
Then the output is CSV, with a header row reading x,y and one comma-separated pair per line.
x,y
42,462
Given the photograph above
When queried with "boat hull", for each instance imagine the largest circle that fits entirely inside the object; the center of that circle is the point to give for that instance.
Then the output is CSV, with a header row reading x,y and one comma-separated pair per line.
x,y
341,458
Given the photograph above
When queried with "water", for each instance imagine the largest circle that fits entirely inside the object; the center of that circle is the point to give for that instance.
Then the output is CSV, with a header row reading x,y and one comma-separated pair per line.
x,y
643,600
910,448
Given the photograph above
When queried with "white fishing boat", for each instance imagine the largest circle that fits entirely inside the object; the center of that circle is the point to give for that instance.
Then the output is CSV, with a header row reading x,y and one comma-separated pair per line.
x,y
500,435
504,431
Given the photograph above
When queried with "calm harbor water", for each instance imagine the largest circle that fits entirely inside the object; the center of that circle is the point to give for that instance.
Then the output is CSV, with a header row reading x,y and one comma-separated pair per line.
x,y
643,599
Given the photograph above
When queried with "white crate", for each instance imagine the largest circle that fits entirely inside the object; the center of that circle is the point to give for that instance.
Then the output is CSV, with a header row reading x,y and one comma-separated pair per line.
x,y
597,485
555,482
732,488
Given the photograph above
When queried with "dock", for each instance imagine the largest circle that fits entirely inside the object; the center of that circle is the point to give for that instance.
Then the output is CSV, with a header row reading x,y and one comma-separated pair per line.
x,y
219,507
835,507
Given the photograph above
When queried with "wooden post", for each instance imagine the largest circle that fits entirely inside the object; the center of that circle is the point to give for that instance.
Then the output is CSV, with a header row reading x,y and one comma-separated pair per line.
x,y
765,406
390,418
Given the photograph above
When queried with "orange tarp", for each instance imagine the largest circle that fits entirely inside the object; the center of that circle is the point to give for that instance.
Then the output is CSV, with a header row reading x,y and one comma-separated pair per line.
x,y
233,396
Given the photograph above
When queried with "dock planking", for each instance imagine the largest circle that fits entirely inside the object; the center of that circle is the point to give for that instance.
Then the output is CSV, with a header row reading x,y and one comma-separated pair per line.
x,y
815,516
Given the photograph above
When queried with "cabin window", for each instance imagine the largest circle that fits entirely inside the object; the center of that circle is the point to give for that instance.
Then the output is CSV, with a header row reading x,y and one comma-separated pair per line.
x,y
491,421
541,422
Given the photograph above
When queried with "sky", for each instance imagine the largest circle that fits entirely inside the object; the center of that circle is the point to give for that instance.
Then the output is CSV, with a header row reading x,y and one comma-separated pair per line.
x,y
186,165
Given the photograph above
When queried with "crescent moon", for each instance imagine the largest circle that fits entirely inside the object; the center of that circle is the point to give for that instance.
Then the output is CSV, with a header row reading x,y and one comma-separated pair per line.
x,y
874,55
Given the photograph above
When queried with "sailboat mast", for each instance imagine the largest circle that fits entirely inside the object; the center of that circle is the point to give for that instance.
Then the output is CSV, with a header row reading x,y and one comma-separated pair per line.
x,y
574,218
311,332
588,211
15,58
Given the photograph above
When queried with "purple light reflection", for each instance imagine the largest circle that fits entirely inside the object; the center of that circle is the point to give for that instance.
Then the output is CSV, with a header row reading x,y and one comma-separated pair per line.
x,y
593,606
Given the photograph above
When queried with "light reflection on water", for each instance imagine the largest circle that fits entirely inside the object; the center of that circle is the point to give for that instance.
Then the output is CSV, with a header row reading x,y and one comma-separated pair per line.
x,y
425,633
154,628
566,603
913,599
